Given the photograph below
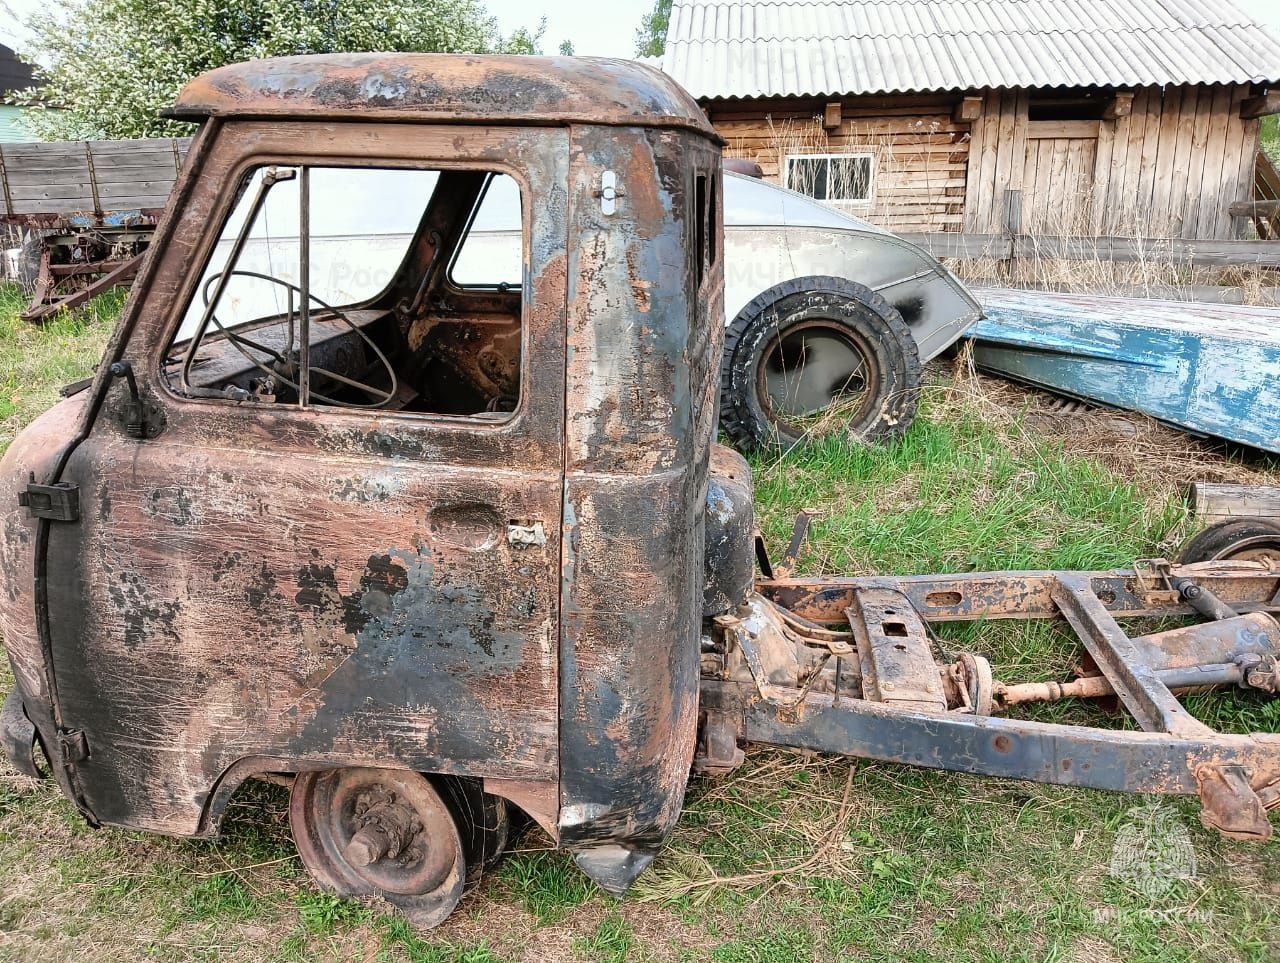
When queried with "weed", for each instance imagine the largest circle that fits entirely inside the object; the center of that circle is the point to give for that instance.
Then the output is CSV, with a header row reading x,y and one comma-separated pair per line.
x,y
324,913
546,883
613,941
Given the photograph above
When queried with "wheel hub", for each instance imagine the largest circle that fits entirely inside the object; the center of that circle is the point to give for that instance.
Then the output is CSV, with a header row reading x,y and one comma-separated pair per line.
x,y
816,376
385,828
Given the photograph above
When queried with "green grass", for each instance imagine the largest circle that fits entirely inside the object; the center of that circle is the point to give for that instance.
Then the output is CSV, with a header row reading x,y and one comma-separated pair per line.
x,y
35,361
828,859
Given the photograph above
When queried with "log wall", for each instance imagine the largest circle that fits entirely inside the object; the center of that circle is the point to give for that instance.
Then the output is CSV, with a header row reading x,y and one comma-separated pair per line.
x,y
920,153
1170,167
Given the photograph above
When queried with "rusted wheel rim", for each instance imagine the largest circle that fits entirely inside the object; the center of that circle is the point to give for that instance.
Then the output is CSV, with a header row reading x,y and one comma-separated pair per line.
x,y
380,832
815,371
1257,548
1262,549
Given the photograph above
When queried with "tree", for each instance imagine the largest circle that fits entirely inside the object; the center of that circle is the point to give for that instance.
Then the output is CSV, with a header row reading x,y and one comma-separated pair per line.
x,y
566,48
651,36
112,65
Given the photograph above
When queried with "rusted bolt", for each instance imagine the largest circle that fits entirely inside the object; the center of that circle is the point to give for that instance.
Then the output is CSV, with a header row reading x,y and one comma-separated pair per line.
x,y
1003,744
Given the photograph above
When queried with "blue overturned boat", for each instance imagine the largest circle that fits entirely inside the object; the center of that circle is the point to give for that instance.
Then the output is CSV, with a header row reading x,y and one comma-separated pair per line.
x,y
1212,369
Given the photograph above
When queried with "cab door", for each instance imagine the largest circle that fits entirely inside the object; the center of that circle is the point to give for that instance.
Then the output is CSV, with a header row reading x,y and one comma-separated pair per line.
x,y
268,584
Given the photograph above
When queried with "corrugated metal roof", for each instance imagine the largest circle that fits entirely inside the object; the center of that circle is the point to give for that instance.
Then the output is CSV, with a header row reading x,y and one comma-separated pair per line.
x,y
722,48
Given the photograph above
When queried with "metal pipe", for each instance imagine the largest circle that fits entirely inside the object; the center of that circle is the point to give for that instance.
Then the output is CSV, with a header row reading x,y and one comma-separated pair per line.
x,y
269,180
1202,600
304,282
1097,686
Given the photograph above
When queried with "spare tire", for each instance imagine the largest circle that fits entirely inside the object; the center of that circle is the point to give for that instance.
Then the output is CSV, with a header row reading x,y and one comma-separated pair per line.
x,y
815,357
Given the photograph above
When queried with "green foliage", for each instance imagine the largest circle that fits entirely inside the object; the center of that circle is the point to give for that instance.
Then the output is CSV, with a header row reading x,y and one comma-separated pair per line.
x,y
37,360
220,896
323,913
566,48
113,65
1271,137
651,35
413,945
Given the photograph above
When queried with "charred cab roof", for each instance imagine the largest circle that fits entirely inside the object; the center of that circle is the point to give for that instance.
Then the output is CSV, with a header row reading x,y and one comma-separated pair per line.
x,y
456,88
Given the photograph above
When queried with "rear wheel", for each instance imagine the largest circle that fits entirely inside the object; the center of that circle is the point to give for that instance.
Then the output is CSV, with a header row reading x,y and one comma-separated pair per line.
x,y
1240,541
816,357
398,835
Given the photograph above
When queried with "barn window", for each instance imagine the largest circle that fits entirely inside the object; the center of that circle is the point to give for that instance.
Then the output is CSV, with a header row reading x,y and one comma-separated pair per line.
x,y
832,177
1065,107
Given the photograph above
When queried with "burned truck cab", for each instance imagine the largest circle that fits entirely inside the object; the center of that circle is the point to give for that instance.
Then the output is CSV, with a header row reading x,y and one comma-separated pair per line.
x,y
430,522
429,537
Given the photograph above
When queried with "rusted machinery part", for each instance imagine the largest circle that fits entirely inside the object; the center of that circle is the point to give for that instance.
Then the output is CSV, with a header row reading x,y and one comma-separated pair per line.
x,y
817,357
740,165
1245,540
765,682
381,832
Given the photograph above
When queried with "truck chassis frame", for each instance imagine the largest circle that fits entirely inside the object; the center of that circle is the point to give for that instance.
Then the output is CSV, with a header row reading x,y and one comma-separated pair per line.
x,y
885,700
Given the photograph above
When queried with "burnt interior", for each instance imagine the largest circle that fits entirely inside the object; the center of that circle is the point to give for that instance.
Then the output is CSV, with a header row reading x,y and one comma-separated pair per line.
x,y
424,344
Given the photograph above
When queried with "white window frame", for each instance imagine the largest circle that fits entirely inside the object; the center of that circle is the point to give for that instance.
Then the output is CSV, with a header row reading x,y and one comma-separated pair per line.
x,y
842,201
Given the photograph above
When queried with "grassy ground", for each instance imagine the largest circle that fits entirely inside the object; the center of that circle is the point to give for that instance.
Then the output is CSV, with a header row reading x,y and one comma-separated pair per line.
x,y
791,858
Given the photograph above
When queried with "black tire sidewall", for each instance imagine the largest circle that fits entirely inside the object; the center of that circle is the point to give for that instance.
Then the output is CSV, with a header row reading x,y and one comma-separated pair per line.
x,y
1219,542
866,316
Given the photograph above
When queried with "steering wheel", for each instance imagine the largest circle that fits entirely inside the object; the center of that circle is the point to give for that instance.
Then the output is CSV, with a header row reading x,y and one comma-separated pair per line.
x,y
240,342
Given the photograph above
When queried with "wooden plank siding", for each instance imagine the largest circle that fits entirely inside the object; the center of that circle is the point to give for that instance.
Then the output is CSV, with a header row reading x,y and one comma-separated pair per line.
x,y
86,176
1171,167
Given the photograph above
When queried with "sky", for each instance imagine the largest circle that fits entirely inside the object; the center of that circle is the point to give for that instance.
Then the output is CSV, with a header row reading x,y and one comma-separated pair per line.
x,y
601,27
605,29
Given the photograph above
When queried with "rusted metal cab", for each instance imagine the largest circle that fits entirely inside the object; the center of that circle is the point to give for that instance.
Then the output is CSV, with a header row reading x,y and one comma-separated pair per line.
x,y
445,520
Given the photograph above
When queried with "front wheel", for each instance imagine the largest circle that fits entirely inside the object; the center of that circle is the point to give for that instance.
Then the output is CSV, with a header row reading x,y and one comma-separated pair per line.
x,y
386,833
816,357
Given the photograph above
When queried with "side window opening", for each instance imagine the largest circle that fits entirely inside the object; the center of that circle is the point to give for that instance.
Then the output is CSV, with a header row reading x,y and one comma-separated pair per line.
x,y
700,227
326,287
711,212
490,255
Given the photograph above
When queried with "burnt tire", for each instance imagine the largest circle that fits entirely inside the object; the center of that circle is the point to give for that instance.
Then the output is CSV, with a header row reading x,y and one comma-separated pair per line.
x,y
1247,540
816,357
484,823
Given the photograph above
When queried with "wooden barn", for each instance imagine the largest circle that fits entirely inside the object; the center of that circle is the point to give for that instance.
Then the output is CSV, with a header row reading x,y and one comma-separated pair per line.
x,y
1105,117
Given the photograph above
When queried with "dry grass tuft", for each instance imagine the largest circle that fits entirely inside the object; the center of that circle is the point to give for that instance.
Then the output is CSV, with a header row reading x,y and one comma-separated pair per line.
x,y
1158,458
